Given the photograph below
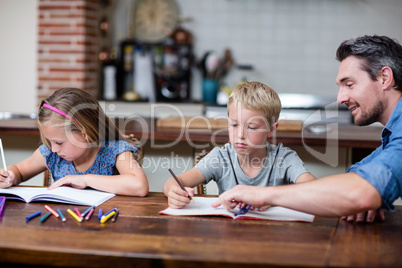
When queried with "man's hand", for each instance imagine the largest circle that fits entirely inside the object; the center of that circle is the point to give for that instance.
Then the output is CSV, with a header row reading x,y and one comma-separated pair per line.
x,y
368,216
240,195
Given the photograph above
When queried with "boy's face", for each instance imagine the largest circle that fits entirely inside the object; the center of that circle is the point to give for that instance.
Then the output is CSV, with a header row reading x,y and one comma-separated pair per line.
x,y
248,130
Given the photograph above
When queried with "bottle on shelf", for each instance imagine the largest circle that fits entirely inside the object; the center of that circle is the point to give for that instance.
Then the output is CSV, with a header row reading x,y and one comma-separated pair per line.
x,y
109,76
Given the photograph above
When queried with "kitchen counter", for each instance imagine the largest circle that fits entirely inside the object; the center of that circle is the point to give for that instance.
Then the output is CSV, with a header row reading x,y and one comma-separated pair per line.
x,y
342,135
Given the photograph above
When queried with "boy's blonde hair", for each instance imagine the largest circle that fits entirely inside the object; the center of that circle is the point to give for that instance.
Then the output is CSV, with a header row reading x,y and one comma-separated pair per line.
x,y
87,116
257,96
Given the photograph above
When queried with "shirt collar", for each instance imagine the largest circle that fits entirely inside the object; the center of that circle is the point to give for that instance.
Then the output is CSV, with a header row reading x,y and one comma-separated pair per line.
x,y
396,114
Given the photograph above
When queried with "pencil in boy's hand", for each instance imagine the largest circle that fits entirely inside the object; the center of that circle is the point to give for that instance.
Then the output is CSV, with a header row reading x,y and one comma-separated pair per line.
x,y
180,184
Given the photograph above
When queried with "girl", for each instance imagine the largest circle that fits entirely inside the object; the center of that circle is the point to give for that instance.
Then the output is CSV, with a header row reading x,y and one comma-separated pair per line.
x,y
81,148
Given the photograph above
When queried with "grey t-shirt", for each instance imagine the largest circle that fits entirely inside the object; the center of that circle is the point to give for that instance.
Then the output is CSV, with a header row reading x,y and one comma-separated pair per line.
x,y
281,166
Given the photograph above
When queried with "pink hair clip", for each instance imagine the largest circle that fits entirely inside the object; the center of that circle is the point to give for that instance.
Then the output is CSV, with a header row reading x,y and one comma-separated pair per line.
x,y
59,112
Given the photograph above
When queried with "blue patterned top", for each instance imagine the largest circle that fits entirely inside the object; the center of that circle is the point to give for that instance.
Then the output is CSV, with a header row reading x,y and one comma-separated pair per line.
x,y
104,162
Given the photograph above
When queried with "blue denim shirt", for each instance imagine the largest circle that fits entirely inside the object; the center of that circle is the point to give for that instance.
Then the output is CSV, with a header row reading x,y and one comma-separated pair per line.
x,y
383,167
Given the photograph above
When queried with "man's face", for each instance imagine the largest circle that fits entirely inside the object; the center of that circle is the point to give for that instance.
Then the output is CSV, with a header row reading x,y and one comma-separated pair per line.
x,y
359,93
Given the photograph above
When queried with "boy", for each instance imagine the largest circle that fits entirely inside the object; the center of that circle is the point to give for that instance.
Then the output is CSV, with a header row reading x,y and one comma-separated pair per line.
x,y
248,159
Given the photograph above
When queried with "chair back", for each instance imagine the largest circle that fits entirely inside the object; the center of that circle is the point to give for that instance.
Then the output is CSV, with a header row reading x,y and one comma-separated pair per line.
x,y
139,154
201,188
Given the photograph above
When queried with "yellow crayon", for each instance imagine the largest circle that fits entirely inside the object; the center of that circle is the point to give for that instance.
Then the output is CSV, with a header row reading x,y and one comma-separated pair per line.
x,y
75,216
107,217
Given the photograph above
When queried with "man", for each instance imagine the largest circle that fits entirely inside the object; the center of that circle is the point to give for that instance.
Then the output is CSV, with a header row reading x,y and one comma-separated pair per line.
x,y
370,81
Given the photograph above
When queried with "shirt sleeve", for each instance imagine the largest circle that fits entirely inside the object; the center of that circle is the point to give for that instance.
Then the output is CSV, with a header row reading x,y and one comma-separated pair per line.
x,y
365,160
211,165
384,171
292,165
44,150
112,150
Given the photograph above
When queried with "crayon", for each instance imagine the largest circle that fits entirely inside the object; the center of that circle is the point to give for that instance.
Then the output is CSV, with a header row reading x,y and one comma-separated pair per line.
x,y
77,212
100,214
44,217
105,218
86,212
75,216
30,217
52,211
61,215
88,216
115,215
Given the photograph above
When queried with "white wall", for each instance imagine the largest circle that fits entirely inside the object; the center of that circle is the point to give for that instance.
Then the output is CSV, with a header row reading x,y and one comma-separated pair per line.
x,y
18,55
291,43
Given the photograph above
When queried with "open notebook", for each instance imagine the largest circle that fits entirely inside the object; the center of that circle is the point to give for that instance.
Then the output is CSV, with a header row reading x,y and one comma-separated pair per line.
x,y
202,207
63,194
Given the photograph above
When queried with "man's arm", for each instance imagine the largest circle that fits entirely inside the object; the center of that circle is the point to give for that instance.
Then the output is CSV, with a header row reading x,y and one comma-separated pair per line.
x,y
337,195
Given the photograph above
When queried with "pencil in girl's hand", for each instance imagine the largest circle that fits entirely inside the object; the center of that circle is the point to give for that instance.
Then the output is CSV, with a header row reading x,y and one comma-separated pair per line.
x,y
180,184
2,156
4,159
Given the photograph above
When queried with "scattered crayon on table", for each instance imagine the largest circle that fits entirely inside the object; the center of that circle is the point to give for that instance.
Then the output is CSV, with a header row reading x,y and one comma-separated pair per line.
x,y
44,217
30,217
52,211
75,216
61,215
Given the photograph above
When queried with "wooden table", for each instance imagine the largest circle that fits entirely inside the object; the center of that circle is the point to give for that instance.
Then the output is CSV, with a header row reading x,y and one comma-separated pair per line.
x,y
143,238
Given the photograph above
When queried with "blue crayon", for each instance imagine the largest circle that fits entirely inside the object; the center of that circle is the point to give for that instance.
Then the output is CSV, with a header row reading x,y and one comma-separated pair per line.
x,y
243,211
100,214
61,215
30,217
110,211
86,212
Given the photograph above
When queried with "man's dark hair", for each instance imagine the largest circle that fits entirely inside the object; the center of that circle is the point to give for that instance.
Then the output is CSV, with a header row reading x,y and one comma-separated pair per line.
x,y
375,52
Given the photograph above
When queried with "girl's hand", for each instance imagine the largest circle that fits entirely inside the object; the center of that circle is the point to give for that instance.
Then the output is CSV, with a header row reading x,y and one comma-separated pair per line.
x,y
177,198
75,181
6,178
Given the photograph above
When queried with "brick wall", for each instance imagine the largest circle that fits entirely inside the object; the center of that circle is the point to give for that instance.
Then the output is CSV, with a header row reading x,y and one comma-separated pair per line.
x,y
68,46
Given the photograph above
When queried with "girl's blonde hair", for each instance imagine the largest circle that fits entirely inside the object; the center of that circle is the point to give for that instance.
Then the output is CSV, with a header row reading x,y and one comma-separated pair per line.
x,y
257,96
87,116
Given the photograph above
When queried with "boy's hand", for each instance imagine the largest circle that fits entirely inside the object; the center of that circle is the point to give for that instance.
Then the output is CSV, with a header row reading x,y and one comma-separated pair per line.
x,y
6,178
75,181
177,198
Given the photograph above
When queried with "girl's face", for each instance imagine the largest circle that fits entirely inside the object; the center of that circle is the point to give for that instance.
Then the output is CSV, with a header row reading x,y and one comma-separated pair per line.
x,y
68,145
248,130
